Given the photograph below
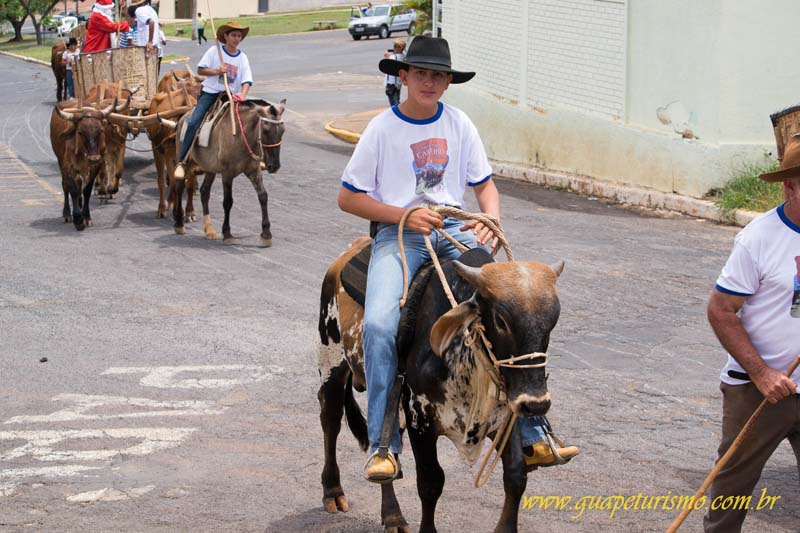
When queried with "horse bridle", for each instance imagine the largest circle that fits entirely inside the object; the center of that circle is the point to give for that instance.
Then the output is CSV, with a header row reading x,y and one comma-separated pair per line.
x,y
271,121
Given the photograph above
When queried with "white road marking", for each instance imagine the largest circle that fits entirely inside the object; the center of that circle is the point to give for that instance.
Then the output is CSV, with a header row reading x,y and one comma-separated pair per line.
x,y
164,377
84,403
15,474
39,444
109,495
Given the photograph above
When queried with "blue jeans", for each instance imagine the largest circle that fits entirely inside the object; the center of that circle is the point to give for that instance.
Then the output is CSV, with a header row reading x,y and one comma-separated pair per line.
x,y
70,85
382,318
204,103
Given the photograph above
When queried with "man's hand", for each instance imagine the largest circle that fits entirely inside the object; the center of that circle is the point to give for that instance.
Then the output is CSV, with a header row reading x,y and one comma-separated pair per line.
x,y
773,384
482,232
149,46
237,97
424,221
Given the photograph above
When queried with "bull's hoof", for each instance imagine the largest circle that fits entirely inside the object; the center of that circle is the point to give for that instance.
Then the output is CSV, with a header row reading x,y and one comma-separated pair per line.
x,y
336,504
264,243
80,226
180,230
161,214
89,223
67,219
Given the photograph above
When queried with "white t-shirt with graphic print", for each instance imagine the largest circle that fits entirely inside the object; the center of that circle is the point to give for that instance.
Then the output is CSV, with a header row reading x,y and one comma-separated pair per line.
x,y
404,162
764,267
238,70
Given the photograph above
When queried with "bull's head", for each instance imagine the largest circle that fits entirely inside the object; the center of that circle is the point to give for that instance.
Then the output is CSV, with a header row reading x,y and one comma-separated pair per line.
x,y
518,305
88,129
272,129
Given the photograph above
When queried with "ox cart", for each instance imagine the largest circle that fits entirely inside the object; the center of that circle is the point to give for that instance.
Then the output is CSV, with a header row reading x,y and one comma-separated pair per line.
x,y
119,72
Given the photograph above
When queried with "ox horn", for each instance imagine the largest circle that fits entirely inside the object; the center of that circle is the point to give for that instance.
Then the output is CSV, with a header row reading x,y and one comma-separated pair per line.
x,y
175,76
110,109
124,106
64,114
471,275
171,124
558,267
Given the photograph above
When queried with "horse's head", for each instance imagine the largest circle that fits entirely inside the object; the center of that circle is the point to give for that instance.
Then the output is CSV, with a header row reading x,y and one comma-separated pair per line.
x,y
272,129
518,305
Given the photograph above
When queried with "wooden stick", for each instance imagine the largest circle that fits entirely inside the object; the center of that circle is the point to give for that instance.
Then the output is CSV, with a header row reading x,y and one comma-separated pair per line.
x,y
728,454
222,62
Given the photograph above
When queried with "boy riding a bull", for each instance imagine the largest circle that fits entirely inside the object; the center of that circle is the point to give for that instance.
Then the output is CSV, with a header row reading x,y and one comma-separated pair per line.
x,y
418,152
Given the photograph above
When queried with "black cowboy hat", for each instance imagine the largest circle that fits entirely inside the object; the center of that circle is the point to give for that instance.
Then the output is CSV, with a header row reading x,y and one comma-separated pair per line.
x,y
431,53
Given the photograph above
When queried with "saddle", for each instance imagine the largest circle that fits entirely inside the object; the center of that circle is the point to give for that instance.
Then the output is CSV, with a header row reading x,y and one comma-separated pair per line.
x,y
354,281
204,133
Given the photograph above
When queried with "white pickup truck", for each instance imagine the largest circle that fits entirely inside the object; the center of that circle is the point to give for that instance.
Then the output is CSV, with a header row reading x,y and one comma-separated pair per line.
x,y
381,20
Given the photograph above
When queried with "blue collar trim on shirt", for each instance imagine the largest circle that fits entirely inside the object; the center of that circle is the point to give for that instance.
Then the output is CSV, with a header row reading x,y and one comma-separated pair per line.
x,y
431,120
786,220
239,51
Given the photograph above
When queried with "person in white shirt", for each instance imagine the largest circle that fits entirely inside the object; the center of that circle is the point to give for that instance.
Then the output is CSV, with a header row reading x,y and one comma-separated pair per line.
x,y
755,313
68,58
393,84
237,69
147,26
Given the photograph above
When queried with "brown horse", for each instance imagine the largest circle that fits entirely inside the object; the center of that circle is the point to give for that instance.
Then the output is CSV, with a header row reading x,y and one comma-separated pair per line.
x,y
59,70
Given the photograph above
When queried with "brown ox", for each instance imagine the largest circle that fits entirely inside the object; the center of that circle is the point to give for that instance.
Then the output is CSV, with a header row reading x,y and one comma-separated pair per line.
x,y
79,142
172,79
59,70
257,142
176,94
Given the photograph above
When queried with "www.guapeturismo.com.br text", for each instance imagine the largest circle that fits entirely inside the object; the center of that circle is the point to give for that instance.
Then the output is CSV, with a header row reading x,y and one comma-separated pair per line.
x,y
641,502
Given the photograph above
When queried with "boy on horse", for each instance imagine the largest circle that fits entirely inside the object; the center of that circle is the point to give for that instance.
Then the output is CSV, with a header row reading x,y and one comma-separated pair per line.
x,y
236,67
381,181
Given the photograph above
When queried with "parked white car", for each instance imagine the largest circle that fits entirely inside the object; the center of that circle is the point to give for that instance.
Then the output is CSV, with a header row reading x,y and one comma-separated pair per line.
x,y
381,20
67,25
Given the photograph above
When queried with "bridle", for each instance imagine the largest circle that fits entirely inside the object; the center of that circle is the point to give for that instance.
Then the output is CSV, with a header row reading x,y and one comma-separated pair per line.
x,y
271,121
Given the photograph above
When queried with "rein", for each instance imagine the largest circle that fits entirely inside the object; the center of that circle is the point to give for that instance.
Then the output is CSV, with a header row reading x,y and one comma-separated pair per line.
x,y
475,337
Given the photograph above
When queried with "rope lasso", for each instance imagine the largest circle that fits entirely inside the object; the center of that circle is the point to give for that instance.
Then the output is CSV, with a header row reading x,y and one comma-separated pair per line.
x,y
475,337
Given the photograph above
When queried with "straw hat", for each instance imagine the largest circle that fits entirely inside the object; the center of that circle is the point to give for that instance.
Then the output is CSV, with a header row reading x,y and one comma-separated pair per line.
x,y
790,164
231,26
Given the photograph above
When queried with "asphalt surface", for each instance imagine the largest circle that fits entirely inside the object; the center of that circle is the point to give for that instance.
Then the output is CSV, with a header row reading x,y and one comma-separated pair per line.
x,y
179,387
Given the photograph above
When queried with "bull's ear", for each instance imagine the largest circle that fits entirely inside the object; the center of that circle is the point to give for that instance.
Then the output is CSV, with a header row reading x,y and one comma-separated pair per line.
x,y
450,324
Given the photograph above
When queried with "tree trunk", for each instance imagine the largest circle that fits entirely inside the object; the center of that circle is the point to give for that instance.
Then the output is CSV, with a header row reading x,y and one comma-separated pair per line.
x,y
37,25
194,20
17,25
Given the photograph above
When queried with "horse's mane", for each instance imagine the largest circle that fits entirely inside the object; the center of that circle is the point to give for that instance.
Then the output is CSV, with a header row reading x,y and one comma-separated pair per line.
x,y
782,113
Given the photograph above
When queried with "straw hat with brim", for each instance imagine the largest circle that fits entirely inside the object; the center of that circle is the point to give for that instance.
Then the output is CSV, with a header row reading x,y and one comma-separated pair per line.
x,y
231,26
790,164
135,3
432,53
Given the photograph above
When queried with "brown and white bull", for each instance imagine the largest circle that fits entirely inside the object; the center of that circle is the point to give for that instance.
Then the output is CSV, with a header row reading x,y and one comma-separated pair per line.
x,y
79,140
516,302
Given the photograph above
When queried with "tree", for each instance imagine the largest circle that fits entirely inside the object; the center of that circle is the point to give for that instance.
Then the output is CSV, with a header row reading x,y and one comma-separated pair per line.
x,y
40,9
424,9
13,12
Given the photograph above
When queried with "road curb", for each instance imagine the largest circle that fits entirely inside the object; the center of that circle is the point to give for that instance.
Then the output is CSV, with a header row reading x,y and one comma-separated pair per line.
x,y
625,194
25,58
344,135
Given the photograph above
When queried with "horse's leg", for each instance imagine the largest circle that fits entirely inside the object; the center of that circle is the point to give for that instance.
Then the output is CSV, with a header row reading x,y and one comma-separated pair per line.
x,y
191,188
391,515
158,159
177,209
331,403
430,476
205,194
227,203
515,479
258,184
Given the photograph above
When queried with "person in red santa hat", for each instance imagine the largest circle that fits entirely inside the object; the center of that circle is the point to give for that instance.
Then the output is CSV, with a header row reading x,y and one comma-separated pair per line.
x,y
100,27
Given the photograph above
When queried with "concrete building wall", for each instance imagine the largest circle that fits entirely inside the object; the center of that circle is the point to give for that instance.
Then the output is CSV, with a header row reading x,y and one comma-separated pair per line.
x,y
586,86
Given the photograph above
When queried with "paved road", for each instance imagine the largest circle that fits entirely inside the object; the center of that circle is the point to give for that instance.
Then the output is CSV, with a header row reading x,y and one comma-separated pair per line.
x,y
179,390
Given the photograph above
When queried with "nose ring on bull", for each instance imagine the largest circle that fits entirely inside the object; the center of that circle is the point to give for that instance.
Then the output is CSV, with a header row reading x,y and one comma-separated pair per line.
x,y
527,405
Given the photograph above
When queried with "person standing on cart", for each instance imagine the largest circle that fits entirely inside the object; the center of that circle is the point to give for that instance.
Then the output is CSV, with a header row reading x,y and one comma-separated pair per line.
x,y
101,26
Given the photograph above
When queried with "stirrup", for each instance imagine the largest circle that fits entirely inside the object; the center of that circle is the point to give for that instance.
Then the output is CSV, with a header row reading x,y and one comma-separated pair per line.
x,y
383,454
553,441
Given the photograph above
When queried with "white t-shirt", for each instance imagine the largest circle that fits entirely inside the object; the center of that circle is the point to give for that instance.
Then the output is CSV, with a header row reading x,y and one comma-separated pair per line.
x,y
764,267
144,15
393,80
238,73
67,55
404,162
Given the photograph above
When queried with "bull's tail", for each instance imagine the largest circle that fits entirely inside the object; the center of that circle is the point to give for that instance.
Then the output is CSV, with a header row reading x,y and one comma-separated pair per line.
x,y
355,418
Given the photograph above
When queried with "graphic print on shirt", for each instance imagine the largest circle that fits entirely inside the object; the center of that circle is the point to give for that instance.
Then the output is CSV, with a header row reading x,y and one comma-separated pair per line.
x,y
795,310
232,71
430,162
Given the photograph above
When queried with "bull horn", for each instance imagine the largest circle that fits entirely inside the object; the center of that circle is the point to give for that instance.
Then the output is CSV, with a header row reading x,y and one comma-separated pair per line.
x,y
124,106
189,70
175,76
171,124
558,267
64,114
110,109
471,275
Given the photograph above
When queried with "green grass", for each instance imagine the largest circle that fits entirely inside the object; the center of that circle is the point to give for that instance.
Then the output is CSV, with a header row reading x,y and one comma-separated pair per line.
x,y
29,48
745,191
271,24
